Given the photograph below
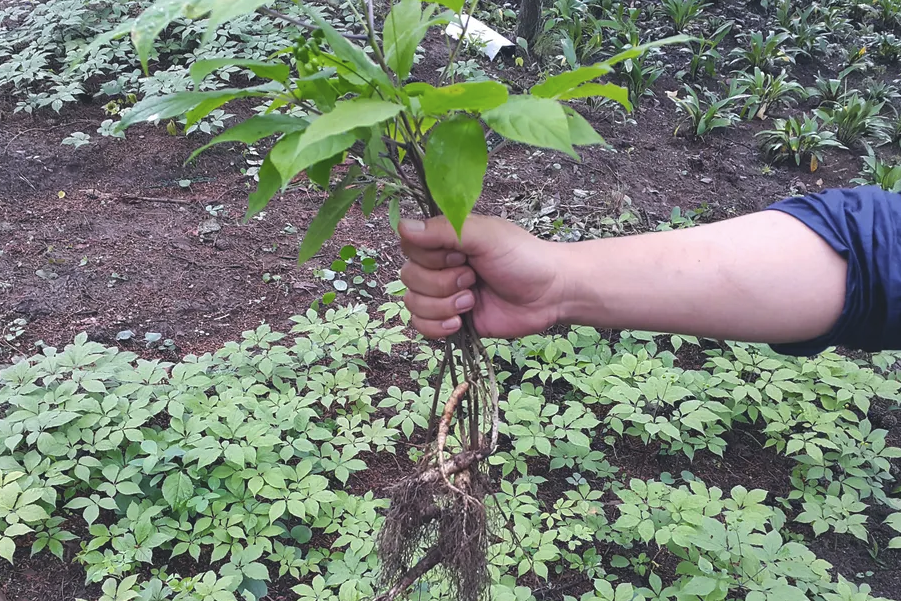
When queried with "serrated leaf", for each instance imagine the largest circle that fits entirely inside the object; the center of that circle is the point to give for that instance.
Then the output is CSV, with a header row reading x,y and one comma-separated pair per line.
x,y
456,161
255,570
331,212
534,121
17,530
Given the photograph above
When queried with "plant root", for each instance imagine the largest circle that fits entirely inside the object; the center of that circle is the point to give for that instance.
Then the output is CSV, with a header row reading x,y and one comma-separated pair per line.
x,y
451,525
437,519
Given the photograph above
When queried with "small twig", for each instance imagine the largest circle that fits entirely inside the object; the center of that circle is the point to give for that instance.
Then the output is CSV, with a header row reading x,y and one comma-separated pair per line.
x,y
177,201
503,144
304,24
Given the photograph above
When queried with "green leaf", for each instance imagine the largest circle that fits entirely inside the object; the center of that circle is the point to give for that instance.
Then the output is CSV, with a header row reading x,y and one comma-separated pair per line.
x,y
331,212
177,489
269,185
557,85
580,130
454,5
150,23
618,561
321,172
295,153
255,129
93,386
7,548
275,71
605,90
156,108
223,12
534,121
637,51
17,530
255,570
129,488
329,134
349,115
354,55
472,96
700,586
32,513
370,195
394,213
402,33
456,160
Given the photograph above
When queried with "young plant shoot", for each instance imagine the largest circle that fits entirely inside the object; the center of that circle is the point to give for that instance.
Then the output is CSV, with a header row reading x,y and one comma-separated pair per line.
x,y
417,141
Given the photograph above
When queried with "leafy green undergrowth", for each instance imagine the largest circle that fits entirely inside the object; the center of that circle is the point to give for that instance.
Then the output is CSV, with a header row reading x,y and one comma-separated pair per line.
x,y
39,40
225,474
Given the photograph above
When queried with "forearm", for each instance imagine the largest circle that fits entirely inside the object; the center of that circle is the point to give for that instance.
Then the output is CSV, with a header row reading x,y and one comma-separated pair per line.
x,y
764,277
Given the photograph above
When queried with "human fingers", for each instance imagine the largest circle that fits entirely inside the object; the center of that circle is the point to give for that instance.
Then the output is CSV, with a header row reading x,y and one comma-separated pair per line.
x,y
434,328
432,259
438,283
441,309
432,234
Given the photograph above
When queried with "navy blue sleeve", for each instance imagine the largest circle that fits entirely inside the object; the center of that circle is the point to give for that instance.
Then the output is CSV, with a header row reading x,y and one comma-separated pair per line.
x,y
863,225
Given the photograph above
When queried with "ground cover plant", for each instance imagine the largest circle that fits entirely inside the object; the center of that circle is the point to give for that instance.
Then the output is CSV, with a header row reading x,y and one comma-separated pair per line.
x,y
153,460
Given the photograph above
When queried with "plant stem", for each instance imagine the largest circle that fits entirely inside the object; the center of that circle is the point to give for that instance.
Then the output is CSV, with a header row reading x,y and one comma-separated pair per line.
x,y
456,50
373,43
274,14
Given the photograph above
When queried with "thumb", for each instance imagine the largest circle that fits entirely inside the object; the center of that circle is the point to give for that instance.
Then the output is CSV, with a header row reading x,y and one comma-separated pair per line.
x,y
438,234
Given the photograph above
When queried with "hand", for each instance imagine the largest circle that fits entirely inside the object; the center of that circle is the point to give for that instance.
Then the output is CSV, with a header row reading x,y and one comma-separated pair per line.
x,y
509,279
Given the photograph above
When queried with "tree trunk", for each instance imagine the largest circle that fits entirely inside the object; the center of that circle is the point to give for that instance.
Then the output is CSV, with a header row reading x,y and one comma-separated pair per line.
x,y
529,20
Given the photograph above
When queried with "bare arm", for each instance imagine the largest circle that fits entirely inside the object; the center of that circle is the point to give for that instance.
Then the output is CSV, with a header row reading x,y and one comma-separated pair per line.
x,y
764,277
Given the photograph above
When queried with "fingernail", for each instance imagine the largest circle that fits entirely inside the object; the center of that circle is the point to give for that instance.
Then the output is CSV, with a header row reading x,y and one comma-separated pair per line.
x,y
465,302
412,225
466,280
455,259
451,324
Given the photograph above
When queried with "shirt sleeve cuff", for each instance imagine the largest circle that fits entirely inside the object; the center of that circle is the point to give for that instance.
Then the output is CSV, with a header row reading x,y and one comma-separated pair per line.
x,y
862,225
